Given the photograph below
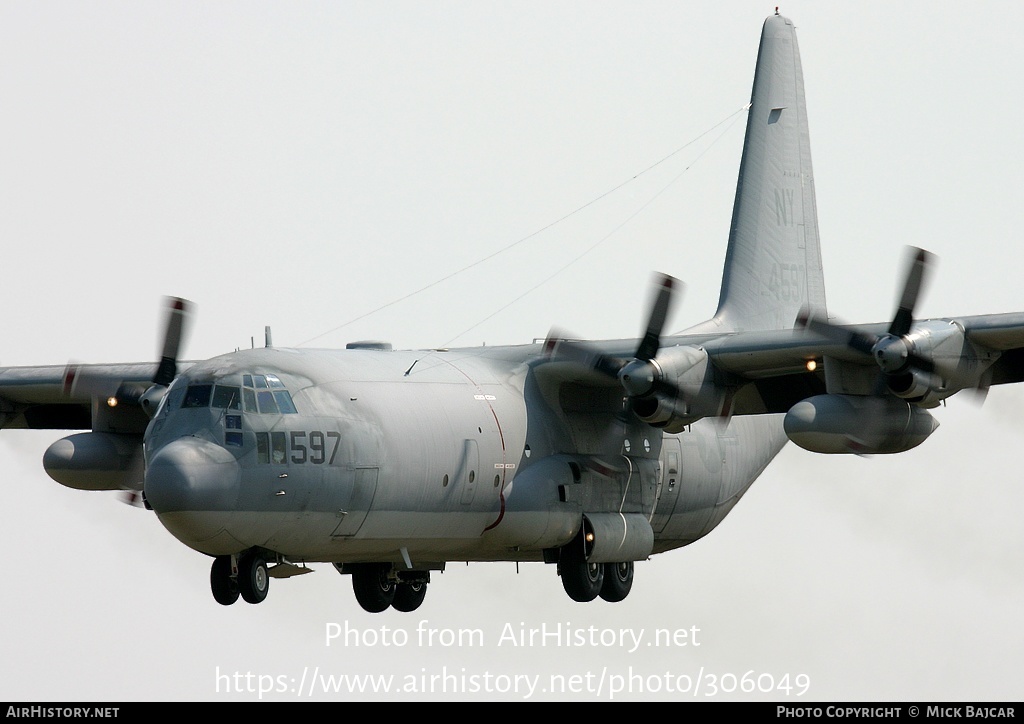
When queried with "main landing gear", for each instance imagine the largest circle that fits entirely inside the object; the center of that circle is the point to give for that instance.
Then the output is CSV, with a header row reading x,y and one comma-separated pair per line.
x,y
378,586
242,575
584,580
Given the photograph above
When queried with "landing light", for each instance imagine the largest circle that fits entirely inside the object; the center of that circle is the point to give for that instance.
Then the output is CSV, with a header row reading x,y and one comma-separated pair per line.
x,y
812,365
111,402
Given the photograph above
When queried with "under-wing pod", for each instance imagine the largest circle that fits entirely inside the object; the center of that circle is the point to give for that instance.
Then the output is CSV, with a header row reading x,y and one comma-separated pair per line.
x,y
857,424
96,461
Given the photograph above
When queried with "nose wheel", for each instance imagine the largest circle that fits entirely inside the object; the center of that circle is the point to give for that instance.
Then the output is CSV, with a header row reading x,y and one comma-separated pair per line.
x,y
245,575
224,586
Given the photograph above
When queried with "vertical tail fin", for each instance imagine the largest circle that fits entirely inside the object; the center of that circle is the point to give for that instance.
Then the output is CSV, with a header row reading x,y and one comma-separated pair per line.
x,y
773,263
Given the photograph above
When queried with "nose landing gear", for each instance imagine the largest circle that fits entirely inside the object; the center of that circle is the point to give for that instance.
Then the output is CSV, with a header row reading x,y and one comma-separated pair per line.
x,y
242,575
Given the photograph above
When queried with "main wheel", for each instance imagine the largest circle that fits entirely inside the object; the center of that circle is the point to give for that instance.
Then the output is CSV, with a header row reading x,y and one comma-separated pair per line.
x,y
224,587
618,579
253,579
373,586
409,596
580,579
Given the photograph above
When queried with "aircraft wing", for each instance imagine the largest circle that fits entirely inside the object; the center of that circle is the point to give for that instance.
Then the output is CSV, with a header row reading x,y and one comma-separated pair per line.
x,y
769,369
75,397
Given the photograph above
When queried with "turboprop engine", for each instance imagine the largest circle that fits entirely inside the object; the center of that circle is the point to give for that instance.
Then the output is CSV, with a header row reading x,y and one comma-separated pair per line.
x,y
857,424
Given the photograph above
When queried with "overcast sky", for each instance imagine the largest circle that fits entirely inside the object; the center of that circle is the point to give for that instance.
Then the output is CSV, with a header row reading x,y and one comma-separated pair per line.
x,y
302,165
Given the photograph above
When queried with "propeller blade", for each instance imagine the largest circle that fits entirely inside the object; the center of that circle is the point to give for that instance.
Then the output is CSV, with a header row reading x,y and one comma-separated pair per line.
x,y
855,339
584,355
177,312
911,290
659,315
641,377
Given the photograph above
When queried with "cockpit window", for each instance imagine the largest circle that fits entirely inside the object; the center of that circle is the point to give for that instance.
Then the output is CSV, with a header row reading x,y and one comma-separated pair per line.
x,y
172,400
267,395
284,401
267,403
261,394
197,396
226,397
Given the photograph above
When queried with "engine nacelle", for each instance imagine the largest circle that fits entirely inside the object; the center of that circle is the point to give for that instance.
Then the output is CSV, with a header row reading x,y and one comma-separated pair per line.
x,y
96,461
688,370
670,414
856,424
918,387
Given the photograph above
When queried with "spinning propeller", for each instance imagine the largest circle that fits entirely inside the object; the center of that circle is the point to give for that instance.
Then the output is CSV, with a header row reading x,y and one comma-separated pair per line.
x,y
893,351
81,380
174,331
640,376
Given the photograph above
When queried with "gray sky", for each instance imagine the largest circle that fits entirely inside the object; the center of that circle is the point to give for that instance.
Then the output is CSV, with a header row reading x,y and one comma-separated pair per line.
x,y
300,165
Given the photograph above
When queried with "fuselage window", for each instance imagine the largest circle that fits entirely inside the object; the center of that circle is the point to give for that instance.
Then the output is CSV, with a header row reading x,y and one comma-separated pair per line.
x,y
198,396
278,452
262,448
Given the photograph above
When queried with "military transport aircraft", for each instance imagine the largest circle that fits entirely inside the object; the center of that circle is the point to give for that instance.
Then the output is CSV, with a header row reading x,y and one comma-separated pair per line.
x,y
587,455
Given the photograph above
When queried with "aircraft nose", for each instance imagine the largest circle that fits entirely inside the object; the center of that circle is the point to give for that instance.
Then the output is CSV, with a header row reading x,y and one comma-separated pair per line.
x,y
191,474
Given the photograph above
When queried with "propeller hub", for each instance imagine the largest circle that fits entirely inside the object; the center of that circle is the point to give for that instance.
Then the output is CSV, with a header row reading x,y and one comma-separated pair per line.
x,y
638,377
891,353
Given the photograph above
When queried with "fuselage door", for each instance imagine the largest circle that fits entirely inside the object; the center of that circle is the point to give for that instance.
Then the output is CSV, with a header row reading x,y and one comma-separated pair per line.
x,y
671,481
363,489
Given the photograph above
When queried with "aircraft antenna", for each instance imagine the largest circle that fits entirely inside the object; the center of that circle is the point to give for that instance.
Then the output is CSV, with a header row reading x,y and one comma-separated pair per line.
x,y
539,231
604,238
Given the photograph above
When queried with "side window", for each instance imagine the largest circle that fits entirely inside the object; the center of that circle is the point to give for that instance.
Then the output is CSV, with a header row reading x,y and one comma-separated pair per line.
x,y
262,448
198,396
233,430
172,400
278,452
